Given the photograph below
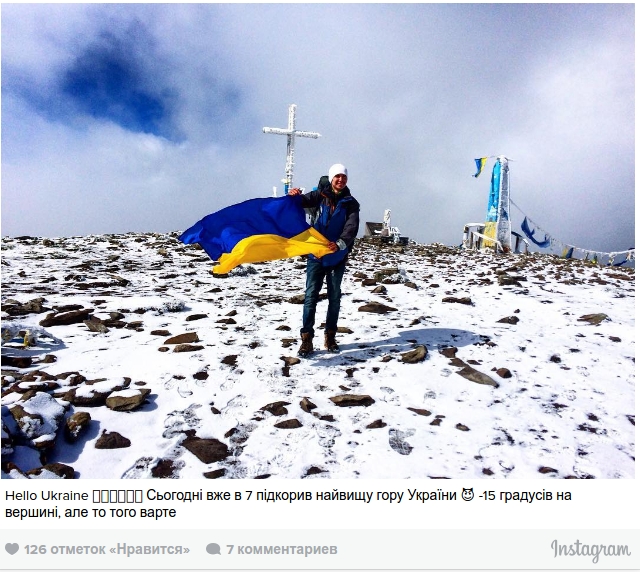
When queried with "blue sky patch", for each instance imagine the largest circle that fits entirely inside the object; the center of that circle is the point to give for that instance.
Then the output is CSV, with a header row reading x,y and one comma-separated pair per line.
x,y
107,82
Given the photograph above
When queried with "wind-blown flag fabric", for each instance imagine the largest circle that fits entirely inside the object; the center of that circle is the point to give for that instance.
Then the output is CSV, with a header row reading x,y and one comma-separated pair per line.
x,y
256,230
480,165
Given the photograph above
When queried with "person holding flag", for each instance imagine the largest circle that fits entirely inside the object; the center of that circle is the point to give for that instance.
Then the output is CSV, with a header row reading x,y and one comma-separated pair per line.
x,y
335,214
262,229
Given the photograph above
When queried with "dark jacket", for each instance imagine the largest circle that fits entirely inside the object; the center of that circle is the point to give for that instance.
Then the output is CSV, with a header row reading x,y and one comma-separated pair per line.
x,y
336,217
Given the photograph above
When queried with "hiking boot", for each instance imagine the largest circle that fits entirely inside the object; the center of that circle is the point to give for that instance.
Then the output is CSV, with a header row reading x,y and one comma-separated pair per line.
x,y
306,348
330,342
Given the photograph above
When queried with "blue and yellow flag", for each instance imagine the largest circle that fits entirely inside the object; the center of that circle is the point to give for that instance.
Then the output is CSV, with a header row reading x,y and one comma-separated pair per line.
x,y
480,165
256,230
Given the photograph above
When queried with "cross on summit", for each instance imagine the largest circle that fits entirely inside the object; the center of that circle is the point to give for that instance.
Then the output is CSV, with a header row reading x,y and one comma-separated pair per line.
x,y
291,134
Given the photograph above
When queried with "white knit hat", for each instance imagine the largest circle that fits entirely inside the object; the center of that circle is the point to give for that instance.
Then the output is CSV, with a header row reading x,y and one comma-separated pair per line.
x,y
337,169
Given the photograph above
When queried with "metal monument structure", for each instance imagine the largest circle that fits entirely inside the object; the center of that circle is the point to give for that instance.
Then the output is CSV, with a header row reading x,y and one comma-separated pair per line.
x,y
291,134
498,223
495,232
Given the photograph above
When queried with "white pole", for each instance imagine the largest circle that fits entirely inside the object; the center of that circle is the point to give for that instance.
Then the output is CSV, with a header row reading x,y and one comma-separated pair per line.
x,y
503,228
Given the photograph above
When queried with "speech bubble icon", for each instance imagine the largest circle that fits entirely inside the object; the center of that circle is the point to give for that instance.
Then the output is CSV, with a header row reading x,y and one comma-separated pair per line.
x,y
11,547
213,548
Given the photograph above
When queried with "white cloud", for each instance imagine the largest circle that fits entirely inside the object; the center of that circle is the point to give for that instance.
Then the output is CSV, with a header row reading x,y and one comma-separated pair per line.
x,y
406,95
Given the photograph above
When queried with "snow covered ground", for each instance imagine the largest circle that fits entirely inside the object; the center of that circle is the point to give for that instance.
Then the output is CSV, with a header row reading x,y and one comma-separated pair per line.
x,y
454,364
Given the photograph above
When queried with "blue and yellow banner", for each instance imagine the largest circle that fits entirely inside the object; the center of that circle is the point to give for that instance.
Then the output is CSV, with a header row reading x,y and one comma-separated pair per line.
x,y
256,230
480,165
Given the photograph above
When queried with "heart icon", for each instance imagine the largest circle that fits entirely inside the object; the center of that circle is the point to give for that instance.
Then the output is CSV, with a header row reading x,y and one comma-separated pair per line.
x,y
11,548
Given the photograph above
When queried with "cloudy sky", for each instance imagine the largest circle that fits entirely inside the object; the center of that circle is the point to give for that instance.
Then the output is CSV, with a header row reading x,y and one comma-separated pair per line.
x,y
147,117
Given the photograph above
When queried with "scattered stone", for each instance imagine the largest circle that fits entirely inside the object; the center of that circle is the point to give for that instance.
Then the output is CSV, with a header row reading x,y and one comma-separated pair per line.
x,y
230,360
615,339
217,474
416,355
38,416
289,424
422,412
165,469
377,424
453,300
127,400
93,393
385,273
448,352
96,325
163,333
462,427
594,319
181,348
277,408
506,280
476,376
376,308
66,318
206,450
555,358
76,424
314,471
31,307
52,470
307,406
289,361
195,317
547,470
19,362
504,373
349,400
509,320
188,338
112,441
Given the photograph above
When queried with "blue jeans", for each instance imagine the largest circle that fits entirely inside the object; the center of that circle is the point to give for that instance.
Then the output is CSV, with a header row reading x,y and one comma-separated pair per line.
x,y
316,274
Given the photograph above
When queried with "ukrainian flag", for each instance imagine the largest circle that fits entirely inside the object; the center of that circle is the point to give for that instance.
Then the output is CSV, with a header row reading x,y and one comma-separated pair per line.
x,y
480,165
256,230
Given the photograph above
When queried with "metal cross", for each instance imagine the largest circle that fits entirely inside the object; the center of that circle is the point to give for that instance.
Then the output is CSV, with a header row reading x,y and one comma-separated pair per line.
x,y
291,134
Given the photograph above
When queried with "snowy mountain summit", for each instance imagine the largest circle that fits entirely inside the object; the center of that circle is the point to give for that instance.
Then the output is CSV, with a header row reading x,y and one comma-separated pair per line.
x,y
123,356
